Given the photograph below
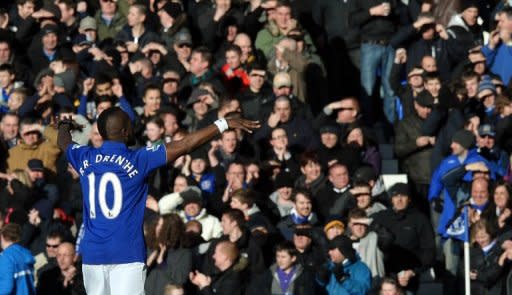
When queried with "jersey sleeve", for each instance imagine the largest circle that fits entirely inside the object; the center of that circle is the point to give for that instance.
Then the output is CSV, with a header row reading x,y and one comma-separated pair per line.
x,y
152,157
74,154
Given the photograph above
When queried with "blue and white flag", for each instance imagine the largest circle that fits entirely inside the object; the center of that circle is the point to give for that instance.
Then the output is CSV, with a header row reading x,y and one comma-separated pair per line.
x,y
459,228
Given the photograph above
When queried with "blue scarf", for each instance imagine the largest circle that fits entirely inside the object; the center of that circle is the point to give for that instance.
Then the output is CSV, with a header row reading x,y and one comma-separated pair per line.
x,y
284,278
479,208
297,219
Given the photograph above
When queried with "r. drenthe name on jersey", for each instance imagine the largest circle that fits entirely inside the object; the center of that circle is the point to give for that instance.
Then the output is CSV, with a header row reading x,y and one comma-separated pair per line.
x,y
127,166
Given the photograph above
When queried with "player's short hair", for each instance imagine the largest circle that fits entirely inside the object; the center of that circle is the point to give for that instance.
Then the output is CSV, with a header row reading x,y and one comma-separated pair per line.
x,y
105,119
11,232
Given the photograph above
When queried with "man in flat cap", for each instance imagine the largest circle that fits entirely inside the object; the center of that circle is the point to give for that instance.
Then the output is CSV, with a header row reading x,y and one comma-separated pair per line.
x,y
414,149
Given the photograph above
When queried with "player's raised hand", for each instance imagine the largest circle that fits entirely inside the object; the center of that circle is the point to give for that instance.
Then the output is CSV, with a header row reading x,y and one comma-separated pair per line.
x,y
235,121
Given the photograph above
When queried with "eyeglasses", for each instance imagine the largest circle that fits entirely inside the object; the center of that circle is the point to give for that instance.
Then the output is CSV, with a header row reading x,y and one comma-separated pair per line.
x,y
52,246
345,109
184,45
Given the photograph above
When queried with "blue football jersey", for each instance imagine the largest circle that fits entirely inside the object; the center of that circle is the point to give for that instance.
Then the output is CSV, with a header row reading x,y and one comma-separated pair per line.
x,y
113,180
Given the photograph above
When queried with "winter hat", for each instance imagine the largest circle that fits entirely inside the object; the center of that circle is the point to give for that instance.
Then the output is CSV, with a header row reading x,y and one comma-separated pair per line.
x,y
465,138
486,84
172,9
344,245
486,129
332,221
191,194
330,128
364,174
425,99
282,79
283,179
35,165
399,188
88,23
468,4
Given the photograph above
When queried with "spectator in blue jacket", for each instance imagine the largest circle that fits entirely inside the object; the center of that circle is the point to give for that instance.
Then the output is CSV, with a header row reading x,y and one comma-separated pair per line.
x,y
445,188
345,273
498,51
16,263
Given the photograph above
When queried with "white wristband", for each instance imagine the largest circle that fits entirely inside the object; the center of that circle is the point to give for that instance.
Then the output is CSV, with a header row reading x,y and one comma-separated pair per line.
x,y
222,124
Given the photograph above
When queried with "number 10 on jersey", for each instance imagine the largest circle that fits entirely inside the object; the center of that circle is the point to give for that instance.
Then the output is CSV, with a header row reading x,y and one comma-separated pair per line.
x,y
101,196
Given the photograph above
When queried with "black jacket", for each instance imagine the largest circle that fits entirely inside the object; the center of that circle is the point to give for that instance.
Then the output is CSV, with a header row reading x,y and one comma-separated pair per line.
x,y
413,246
374,28
227,282
490,274
417,48
333,16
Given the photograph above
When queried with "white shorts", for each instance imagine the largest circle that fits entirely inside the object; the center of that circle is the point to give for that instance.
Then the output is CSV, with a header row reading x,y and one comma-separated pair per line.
x,y
114,279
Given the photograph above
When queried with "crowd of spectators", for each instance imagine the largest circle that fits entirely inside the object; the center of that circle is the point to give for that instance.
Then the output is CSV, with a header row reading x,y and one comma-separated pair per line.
x,y
299,205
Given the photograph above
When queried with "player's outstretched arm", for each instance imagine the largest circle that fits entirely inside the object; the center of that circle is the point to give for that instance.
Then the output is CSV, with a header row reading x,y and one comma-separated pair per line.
x,y
64,136
176,149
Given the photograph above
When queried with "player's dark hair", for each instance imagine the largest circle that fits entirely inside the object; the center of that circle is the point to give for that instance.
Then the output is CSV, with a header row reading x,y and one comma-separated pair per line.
x,y
108,127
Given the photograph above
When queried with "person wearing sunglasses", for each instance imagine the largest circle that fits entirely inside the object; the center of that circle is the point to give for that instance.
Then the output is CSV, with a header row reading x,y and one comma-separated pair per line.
x,y
47,259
